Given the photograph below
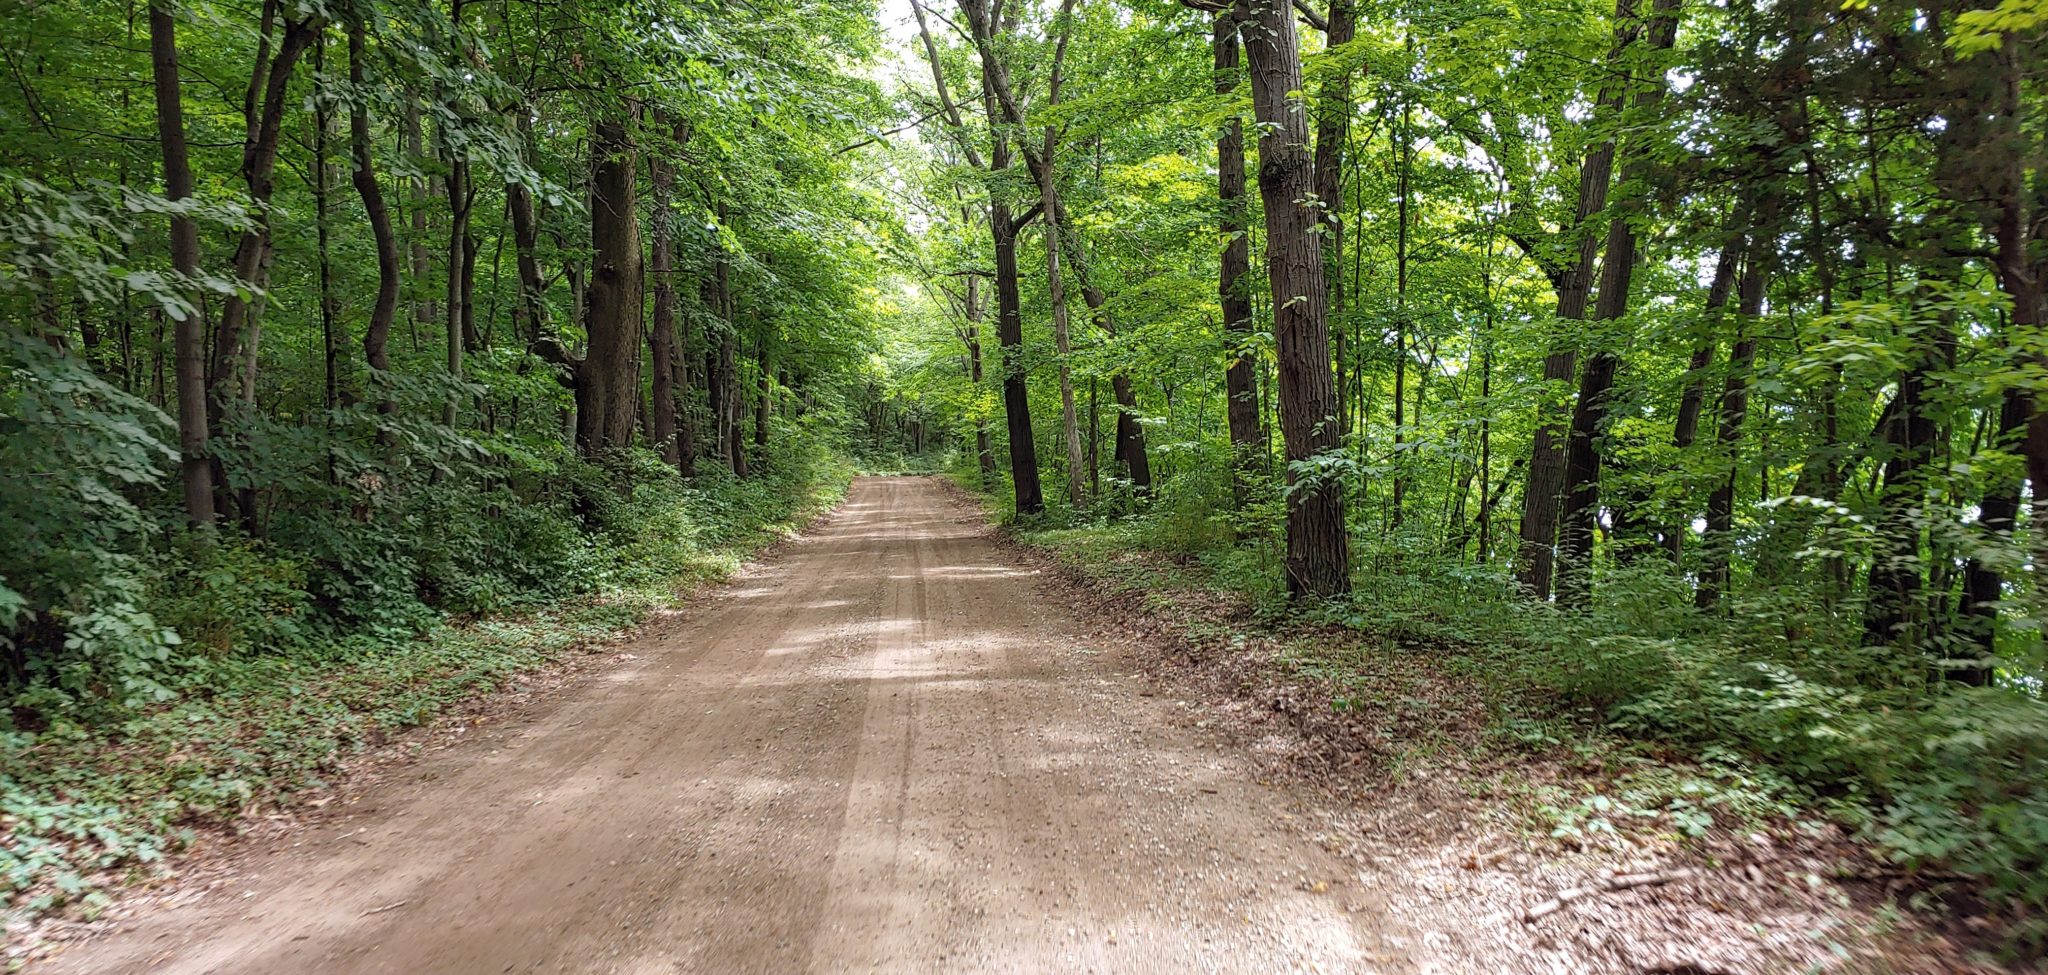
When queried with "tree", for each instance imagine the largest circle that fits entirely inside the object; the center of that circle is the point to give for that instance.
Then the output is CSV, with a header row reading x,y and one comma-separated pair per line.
x,y
1590,413
608,380
1240,379
377,335
1318,546
195,469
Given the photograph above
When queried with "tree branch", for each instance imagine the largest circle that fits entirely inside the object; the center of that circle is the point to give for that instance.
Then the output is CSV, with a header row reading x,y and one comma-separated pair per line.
x,y
1021,220
1315,20
905,127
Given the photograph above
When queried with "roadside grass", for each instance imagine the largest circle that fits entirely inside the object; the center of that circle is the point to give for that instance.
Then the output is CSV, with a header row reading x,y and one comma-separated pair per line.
x,y
85,808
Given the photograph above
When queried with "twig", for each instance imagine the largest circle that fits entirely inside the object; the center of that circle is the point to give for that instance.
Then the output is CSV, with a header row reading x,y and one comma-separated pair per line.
x,y
879,136
1627,881
387,907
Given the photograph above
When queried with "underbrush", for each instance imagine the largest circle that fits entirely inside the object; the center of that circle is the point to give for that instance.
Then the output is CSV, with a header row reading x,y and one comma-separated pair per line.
x,y
1684,721
260,665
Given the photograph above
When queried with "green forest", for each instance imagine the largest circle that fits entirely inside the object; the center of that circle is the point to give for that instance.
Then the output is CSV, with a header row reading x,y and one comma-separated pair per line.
x,y
1673,375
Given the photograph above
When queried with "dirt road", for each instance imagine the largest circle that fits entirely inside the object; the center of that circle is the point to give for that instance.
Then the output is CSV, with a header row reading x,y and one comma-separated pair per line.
x,y
885,749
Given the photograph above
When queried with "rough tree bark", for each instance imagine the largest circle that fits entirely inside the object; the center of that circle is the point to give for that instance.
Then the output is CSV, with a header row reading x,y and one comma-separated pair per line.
x,y
1241,375
377,335
608,381
1333,128
1318,549
195,470
662,336
1536,560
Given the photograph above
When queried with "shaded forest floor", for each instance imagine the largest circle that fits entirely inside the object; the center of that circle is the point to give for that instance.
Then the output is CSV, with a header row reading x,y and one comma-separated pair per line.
x,y
1510,844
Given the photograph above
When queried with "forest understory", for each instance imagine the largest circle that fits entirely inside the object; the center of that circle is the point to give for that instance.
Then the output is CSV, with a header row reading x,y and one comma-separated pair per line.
x,y
1568,849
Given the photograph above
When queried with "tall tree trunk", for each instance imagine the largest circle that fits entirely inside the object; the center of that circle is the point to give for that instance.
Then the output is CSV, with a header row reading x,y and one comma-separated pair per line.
x,y
764,391
1056,289
1241,375
259,165
1487,499
966,145
984,453
717,295
330,301
1536,562
525,244
1003,229
2023,275
1718,543
1055,217
195,470
472,339
1581,489
1983,583
1318,548
1333,129
734,404
458,262
1892,610
608,382
688,447
1130,434
1686,427
264,127
662,337
1010,339
377,336
1403,228
423,308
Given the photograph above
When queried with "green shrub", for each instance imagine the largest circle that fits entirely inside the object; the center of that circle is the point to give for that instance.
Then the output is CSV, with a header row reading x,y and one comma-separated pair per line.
x,y
76,635
223,593
310,644
1965,784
